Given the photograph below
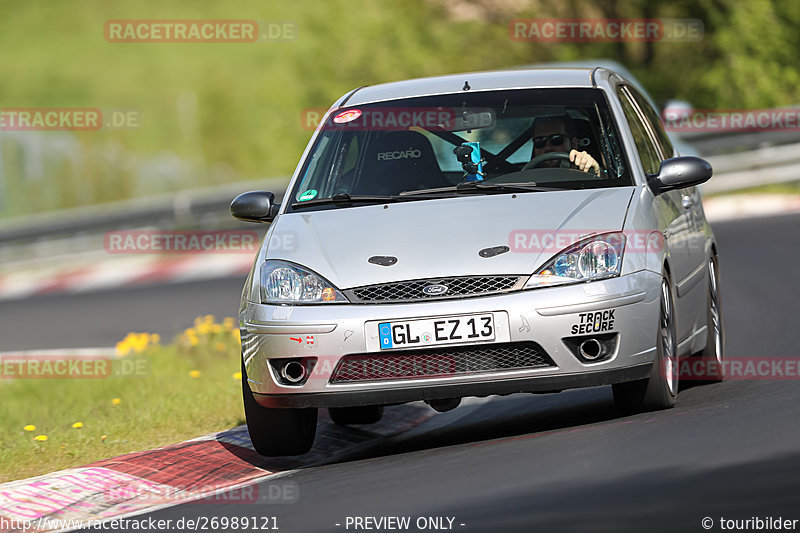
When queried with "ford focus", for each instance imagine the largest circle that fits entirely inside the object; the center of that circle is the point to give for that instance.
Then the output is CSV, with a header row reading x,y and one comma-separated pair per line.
x,y
478,234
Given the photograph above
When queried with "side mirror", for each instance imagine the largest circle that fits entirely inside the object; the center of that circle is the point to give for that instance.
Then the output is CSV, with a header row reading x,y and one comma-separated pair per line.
x,y
680,172
255,206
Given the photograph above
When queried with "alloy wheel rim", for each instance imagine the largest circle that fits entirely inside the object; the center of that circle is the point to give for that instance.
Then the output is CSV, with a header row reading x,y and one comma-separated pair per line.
x,y
668,340
716,321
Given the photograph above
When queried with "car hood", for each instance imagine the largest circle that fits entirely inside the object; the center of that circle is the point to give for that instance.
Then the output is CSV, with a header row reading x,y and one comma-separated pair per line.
x,y
443,237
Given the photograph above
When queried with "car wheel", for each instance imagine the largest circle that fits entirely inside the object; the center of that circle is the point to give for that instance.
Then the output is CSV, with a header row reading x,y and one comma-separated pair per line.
x,y
713,354
367,414
276,432
660,389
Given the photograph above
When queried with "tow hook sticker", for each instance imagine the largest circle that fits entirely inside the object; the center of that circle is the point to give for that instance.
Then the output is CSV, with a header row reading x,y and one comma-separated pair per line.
x,y
594,322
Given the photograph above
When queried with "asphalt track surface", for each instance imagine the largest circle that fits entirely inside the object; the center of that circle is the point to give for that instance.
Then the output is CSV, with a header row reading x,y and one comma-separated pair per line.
x,y
560,462
100,319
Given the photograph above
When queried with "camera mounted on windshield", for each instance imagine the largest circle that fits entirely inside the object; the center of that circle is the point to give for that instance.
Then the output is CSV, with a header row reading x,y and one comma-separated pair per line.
x,y
470,161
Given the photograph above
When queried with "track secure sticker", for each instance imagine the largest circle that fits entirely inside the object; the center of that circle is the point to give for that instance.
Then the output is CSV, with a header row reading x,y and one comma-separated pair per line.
x,y
594,322
308,195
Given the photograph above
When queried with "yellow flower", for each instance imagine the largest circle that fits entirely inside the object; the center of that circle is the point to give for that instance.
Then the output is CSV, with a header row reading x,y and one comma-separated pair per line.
x,y
237,375
194,341
228,322
194,374
40,438
136,342
103,437
77,425
140,341
203,320
123,348
116,401
30,427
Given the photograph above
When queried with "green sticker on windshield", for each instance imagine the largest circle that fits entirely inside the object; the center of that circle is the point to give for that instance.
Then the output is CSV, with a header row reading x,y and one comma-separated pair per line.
x,y
308,195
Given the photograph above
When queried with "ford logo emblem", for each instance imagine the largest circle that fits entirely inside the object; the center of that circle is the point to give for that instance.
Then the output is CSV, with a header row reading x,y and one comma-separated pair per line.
x,y
434,290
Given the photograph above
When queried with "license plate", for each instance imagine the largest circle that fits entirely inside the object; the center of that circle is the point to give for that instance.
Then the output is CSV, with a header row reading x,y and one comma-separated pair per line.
x,y
435,331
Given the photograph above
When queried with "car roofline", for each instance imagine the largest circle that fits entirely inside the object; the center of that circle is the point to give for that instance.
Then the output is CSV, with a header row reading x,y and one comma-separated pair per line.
x,y
526,78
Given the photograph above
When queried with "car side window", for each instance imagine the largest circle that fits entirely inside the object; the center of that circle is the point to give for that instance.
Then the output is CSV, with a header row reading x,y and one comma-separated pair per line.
x,y
655,122
644,145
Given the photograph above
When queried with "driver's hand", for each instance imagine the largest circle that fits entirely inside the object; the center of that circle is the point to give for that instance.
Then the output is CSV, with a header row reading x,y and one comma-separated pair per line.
x,y
584,161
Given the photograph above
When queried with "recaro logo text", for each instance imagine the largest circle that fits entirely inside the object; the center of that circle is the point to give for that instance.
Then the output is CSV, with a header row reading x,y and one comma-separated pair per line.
x,y
388,156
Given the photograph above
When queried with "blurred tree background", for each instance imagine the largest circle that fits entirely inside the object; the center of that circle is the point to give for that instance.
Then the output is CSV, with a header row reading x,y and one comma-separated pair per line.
x,y
214,113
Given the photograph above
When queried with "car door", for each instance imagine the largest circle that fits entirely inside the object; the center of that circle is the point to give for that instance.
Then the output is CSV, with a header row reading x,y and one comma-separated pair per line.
x,y
675,220
691,290
690,196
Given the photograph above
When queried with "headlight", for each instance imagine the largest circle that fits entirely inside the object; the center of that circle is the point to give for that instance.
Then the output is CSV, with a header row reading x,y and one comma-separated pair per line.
x,y
286,283
597,257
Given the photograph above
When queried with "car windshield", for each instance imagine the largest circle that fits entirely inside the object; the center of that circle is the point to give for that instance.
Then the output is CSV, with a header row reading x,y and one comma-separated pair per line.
x,y
406,149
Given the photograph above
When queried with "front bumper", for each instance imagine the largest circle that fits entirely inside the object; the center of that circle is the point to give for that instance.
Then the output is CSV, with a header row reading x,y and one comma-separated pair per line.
x,y
545,316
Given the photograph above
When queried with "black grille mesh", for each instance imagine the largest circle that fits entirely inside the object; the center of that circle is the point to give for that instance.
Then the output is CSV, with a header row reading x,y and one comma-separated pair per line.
x,y
411,291
439,362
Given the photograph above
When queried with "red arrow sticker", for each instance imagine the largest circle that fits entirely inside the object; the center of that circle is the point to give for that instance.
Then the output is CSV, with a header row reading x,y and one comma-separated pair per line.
x,y
298,340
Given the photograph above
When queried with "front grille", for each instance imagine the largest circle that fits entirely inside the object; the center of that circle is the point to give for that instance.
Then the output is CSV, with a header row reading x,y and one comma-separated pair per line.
x,y
440,362
412,291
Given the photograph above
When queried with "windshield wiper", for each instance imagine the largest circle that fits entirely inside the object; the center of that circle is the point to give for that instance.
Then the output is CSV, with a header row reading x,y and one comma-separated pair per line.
x,y
345,200
468,187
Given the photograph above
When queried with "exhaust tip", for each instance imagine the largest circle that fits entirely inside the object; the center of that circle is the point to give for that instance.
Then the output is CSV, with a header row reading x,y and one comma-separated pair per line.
x,y
591,349
293,372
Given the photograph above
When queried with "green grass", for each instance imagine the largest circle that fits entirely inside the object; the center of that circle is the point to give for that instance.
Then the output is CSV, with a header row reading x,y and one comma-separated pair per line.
x,y
210,113
161,404
214,113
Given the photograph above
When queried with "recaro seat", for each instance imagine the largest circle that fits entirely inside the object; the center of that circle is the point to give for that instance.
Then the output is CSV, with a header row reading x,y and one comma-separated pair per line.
x,y
399,161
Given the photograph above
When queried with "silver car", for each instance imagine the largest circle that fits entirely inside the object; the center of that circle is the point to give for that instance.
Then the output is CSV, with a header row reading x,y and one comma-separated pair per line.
x,y
477,234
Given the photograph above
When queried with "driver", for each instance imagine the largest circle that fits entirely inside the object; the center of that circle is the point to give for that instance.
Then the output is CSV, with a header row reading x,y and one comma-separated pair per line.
x,y
550,135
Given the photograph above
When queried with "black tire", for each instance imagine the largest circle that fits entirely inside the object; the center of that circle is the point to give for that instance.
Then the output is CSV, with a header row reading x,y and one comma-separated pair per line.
x,y
660,389
713,354
278,432
366,414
